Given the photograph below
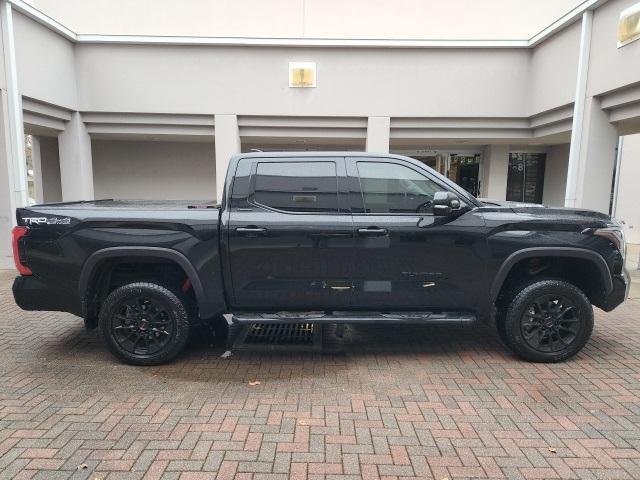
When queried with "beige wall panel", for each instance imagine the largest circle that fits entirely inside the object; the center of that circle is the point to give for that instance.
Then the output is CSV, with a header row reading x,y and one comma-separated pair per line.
x,y
363,82
153,170
553,70
628,204
611,67
3,80
45,63
555,175
50,163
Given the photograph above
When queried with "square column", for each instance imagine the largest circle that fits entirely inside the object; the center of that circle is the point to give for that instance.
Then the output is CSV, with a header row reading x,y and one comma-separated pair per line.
x,y
495,171
227,145
378,132
8,201
76,164
592,161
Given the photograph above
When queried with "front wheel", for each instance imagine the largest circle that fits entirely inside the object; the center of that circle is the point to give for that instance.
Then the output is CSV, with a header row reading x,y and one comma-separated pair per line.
x,y
144,323
547,321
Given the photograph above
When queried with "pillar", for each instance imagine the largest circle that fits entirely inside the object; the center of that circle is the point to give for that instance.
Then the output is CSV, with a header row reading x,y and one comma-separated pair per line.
x,y
590,184
7,200
227,145
76,164
594,139
13,177
495,171
378,132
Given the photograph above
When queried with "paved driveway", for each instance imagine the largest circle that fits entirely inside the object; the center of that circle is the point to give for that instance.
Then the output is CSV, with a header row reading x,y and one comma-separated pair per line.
x,y
394,402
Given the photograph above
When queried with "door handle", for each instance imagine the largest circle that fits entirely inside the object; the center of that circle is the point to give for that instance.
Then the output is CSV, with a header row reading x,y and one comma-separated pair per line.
x,y
334,287
372,231
251,229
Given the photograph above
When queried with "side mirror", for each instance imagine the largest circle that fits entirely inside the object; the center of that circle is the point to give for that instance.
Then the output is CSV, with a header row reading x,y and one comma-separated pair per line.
x,y
444,203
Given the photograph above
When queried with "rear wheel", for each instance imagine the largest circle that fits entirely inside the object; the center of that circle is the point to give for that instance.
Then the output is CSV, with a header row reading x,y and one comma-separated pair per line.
x,y
145,323
546,320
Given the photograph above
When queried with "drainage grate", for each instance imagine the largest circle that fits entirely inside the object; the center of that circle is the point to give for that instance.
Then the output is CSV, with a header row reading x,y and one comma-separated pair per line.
x,y
279,336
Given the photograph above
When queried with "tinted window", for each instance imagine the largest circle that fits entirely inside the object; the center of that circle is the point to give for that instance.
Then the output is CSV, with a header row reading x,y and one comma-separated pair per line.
x,y
297,186
393,188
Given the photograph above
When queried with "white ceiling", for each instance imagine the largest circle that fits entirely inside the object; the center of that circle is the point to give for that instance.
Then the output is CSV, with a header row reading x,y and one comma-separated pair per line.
x,y
353,19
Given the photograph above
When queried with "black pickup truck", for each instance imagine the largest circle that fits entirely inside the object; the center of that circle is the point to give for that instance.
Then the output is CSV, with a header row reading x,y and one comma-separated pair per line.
x,y
321,237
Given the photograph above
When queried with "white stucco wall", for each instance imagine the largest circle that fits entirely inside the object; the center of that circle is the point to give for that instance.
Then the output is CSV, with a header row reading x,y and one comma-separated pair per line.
x,y
153,170
45,63
254,81
553,70
50,163
628,205
611,67
555,175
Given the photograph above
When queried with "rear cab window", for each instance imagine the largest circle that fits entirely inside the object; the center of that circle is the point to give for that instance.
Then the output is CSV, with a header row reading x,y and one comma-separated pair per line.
x,y
296,186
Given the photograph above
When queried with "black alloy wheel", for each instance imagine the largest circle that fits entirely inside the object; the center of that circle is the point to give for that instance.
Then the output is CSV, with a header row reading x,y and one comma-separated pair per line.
x,y
546,320
550,324
142,325
145,323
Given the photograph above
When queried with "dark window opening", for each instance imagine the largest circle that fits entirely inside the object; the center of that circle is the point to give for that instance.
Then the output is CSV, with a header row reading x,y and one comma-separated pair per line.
x,y
297,186
525,180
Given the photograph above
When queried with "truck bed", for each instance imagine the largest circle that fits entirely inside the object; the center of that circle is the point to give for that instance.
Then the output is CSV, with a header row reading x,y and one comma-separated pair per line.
x,y
130,205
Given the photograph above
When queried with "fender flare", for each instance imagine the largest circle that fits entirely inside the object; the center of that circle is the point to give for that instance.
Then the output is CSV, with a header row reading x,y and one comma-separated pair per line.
x,y
566,252
91,264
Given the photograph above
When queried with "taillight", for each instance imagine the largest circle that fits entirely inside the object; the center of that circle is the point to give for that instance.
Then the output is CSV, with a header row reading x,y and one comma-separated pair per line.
x,y
17,233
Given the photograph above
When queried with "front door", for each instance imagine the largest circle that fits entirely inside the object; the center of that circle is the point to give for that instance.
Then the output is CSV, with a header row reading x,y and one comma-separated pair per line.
x,y
405,257
290,238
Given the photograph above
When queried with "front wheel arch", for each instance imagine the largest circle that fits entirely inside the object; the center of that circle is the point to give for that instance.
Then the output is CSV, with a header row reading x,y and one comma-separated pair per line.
x,y
602,283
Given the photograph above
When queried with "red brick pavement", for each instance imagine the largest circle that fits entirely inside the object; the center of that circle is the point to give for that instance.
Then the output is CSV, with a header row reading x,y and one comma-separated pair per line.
x,y
392,402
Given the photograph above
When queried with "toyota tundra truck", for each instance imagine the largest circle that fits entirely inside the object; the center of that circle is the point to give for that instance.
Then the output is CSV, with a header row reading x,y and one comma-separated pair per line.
x,y
321,238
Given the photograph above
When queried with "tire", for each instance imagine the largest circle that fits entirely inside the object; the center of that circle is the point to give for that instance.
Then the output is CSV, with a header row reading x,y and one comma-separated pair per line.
x,y
546,320
145,323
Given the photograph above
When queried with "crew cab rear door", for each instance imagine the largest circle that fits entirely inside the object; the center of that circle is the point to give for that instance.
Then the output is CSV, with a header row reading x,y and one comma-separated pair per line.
x,y
290,234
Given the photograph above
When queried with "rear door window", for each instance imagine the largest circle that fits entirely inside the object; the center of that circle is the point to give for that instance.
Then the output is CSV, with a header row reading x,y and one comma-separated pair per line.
x,y
302,186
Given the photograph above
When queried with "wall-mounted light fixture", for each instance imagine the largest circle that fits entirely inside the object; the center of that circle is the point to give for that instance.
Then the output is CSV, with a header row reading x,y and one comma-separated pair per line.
x,y
302,74
629,25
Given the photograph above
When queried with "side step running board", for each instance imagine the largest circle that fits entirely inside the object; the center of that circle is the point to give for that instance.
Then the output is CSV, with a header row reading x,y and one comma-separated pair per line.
x,y
451,318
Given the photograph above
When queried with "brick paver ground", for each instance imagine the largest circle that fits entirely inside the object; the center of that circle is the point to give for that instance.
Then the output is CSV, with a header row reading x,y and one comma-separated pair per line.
x,y
394,402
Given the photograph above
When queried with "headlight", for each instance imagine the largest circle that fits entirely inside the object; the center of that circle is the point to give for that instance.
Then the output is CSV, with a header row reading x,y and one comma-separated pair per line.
x,y
616,236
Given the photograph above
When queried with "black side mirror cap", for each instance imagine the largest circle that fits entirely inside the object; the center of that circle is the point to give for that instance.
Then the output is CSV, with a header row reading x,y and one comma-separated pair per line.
x,y
444,203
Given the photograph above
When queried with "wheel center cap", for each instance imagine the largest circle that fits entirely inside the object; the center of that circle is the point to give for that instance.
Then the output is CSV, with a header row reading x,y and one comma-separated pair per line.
x,y
548,324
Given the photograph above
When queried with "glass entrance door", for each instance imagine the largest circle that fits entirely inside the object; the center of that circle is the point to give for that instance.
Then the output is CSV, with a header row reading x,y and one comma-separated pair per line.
x,y
525,179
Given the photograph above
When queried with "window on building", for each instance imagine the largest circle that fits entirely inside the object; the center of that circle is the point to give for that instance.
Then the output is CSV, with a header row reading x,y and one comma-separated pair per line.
x,y
393,188
525,179
297,186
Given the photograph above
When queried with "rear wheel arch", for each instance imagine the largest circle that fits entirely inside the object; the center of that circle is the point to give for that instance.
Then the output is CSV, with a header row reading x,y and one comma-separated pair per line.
x,y
103,260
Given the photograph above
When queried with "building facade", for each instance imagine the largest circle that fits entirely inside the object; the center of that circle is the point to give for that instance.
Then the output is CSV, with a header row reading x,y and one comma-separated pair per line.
x,y
120,115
